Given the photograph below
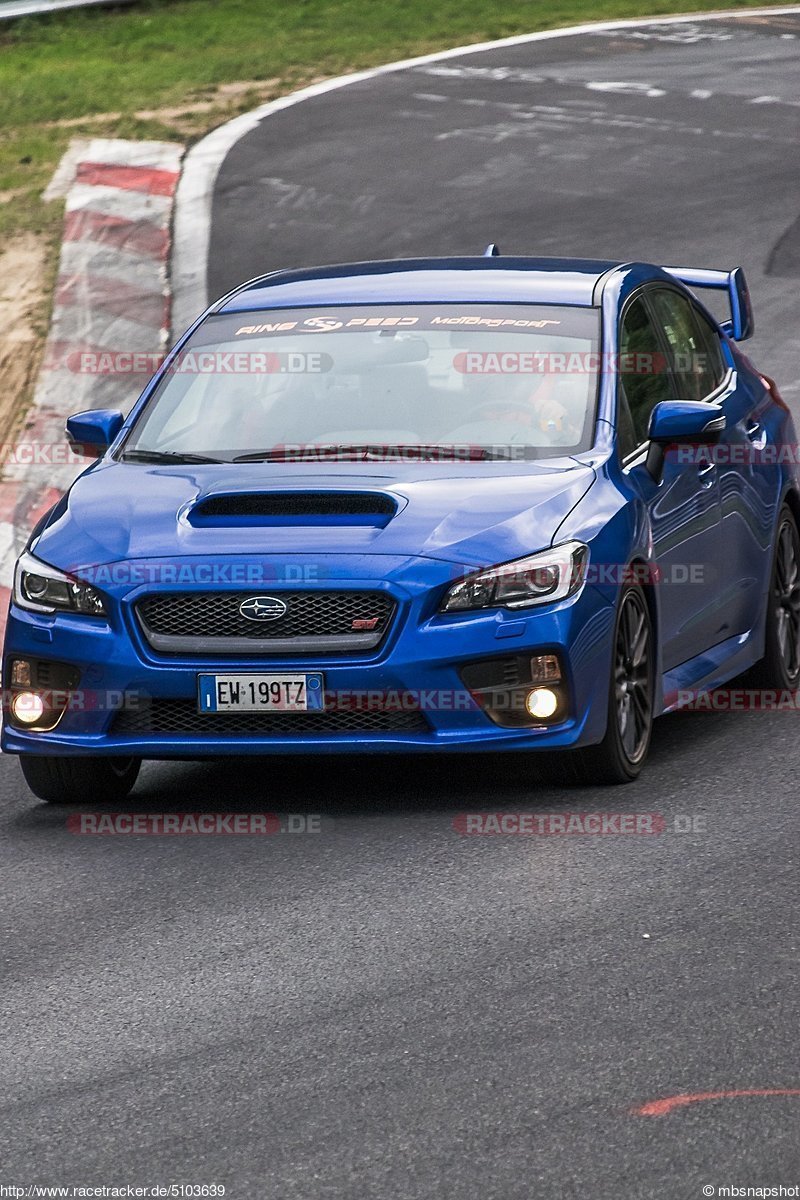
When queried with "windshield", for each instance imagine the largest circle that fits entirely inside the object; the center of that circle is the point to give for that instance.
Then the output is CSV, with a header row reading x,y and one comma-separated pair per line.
x,y
424,381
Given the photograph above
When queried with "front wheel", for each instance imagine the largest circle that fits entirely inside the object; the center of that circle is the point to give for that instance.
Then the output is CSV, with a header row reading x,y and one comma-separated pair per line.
x,y
621,755
71,780
780,666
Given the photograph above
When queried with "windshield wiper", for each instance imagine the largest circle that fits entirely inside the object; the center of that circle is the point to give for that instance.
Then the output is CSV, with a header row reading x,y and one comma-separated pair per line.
x,y
165,456
361,452
275,454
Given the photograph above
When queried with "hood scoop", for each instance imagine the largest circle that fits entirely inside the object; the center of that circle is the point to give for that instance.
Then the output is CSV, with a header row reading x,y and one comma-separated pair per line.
x,y
294,508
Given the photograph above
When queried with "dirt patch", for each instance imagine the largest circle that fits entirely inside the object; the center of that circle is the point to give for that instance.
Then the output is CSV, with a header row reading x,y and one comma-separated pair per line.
x,y
225,95
24,288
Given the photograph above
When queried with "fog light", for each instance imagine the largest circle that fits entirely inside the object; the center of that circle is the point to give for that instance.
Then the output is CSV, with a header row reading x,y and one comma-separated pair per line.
x,y
27,707
541,703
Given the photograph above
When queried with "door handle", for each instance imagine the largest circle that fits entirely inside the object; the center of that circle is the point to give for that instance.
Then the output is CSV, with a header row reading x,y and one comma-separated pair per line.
x,y
757,435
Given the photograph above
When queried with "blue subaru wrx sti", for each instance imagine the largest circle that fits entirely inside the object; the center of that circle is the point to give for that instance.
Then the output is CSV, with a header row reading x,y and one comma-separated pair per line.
x,y
460,504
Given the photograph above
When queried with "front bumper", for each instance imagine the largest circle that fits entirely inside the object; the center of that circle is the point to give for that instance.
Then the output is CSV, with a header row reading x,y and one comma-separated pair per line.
x,y
419,662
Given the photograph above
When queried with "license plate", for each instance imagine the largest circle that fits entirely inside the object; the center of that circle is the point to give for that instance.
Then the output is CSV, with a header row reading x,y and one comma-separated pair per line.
x,y
260,693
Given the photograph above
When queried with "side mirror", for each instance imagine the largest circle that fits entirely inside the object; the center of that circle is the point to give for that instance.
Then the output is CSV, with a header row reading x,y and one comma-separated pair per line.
x,y
91,433
681,422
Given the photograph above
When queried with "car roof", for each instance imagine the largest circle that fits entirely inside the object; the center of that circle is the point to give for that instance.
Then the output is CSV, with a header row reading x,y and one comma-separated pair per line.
x,y
496,279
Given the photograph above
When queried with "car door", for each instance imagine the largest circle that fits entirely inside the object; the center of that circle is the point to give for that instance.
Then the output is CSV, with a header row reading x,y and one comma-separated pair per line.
x,y
746,483
749,478
684,506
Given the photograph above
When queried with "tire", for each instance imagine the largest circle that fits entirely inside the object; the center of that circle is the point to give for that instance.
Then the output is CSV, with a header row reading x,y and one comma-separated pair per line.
x,y
620,756
72,780
780,666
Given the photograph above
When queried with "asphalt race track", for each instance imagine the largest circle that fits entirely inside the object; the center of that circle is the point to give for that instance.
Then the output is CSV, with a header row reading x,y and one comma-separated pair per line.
x,y
386,1007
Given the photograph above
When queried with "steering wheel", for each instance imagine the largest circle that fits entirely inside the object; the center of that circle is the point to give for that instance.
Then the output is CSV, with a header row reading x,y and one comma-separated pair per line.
x,y
556,425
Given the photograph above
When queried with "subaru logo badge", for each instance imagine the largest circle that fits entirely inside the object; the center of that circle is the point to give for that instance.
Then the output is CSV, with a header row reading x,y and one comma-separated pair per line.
x,y
262,608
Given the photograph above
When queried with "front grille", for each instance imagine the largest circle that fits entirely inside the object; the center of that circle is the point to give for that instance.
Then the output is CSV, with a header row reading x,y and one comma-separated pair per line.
x,y
211,623
181,717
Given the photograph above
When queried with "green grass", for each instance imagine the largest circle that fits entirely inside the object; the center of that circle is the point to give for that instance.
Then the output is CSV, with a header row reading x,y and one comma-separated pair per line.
x,y
171,52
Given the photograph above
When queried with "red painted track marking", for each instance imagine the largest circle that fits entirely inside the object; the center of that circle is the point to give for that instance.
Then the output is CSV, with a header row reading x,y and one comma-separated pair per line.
x,y
134,179
115,297
659,1108
135,237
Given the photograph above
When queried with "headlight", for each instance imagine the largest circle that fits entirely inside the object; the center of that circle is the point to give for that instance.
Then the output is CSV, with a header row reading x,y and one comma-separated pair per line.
x,y
538,579
42,588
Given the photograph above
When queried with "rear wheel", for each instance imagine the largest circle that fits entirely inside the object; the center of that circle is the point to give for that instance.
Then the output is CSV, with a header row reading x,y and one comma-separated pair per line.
x,y
780,666
71,780
621,755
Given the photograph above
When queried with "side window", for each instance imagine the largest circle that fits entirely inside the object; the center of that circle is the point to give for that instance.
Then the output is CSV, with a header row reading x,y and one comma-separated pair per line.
x,y
643,374
712,363
686,351
626,436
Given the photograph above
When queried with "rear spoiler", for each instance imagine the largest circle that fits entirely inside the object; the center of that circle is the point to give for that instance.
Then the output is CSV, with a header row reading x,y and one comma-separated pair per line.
x,y
741,324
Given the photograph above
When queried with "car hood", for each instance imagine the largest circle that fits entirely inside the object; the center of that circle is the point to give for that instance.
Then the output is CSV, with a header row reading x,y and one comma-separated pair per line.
x,y
472,513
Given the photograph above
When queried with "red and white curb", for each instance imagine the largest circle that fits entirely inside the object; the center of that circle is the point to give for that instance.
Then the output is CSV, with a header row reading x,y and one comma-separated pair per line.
x,y
111,301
